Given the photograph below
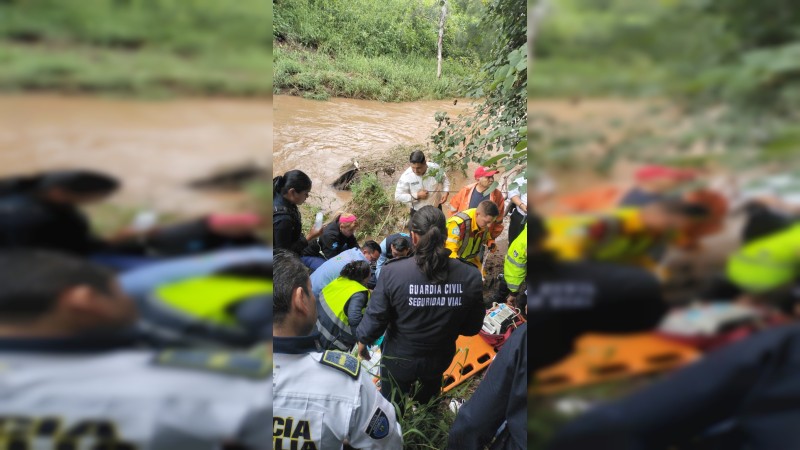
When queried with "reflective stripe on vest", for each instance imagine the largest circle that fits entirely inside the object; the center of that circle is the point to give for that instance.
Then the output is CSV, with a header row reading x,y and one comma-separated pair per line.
x,y
210,299
332,318
516,270
616,245
470,245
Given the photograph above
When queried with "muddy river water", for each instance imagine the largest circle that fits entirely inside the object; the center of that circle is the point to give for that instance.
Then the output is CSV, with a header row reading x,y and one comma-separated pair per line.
x,y
155,147
319,137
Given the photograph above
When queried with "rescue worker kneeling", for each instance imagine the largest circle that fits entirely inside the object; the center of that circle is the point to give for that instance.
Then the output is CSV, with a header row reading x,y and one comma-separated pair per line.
x,y
321,400
341,306
468,230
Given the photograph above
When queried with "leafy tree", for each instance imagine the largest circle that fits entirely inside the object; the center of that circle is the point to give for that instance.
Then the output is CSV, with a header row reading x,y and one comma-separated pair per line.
x,y
494,133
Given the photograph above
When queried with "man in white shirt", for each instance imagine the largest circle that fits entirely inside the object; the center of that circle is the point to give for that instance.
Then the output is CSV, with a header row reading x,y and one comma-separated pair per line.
x,y
417,187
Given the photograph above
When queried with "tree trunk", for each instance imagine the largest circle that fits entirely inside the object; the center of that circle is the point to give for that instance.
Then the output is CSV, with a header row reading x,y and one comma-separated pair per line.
x,y
441,38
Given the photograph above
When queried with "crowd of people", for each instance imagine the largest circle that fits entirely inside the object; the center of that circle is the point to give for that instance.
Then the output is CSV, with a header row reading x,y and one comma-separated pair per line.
x,y
413,294
154,337
600,264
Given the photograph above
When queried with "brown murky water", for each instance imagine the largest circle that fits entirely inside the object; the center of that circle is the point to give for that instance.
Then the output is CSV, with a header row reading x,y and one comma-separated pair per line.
x,y
319,137
155,147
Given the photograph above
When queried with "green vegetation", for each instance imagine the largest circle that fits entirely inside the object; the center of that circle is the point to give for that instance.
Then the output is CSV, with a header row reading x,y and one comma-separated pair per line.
x,y
137,47
319,76
494,133
731,69
375,50
427,427
378,213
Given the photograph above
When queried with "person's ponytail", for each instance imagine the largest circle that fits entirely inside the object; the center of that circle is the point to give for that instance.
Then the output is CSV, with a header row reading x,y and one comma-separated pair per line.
x,y
277,184
430,253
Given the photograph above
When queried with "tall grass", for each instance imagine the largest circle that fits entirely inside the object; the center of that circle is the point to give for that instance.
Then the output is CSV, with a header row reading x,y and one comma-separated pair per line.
x,y
373,50
320,76
137,47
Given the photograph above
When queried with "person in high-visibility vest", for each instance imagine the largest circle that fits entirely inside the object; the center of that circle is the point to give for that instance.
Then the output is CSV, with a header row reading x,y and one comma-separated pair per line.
x,y
341,306
515,267
624,235
468,230
768,268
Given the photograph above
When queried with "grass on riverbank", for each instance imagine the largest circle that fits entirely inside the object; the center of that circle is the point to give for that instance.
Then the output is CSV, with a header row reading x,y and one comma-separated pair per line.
x,y
149,48
318,76
555,77
150,73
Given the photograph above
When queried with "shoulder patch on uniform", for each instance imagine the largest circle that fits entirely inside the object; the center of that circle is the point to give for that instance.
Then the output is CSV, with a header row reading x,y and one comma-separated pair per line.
x,y
456,231
236,364
378,426
345,362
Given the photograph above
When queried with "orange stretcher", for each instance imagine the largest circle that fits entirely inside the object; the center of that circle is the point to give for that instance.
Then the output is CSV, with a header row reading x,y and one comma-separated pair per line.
x,y
600,358
473,355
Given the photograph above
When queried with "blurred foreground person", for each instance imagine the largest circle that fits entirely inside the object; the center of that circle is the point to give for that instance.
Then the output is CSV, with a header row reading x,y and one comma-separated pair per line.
x,y
422,303
767,269
501,400
202,235
70,376
322,400
217,299
744,396
569,299
626,235
43,212
654,183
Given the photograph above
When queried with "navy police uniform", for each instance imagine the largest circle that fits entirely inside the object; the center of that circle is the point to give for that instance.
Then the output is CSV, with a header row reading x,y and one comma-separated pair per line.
x,y
422,321
287,226
501,396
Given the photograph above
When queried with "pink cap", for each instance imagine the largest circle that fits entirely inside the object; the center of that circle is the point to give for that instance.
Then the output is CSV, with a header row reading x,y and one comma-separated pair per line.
x,y
242,219
347,218
484,172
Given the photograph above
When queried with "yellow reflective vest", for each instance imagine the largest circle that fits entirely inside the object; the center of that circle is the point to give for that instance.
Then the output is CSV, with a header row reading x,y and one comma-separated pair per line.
x,y
616,236
767,263
332,321
464,238
336,294
515,267
210,299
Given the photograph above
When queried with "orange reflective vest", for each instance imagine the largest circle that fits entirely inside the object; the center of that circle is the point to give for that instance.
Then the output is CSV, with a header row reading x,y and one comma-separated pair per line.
x,y
460,202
